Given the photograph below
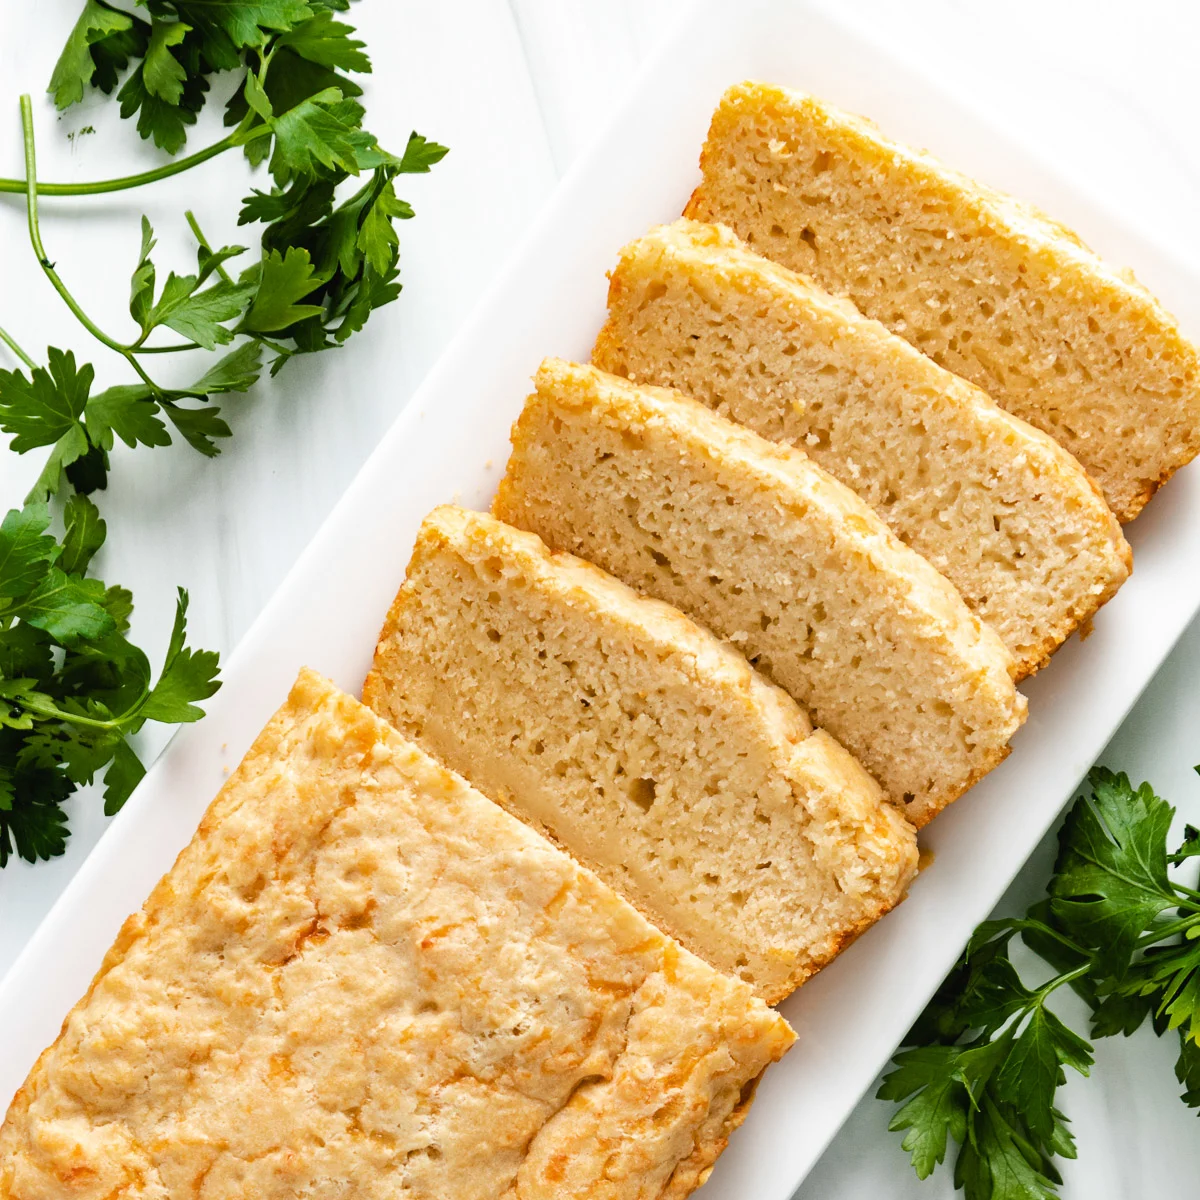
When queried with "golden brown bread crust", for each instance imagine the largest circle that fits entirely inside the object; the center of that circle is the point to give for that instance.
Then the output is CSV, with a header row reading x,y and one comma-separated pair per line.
x,y
1028,311
362,977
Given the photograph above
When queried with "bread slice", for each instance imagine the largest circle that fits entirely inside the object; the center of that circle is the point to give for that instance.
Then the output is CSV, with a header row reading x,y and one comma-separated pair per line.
x,y
648,749
999,509
760,545
362,978
985,285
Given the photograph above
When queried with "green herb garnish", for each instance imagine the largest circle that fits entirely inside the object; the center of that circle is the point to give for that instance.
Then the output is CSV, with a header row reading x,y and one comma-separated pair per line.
x,y
982,1066
72,686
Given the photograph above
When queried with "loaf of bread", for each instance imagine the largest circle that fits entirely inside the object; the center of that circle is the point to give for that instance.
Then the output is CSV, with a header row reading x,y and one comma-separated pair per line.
x,y
364,979
996,506
985,285
760,545
648,749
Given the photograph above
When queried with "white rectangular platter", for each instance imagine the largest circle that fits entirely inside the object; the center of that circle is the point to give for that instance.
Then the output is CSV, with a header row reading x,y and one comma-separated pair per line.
x,y
451,443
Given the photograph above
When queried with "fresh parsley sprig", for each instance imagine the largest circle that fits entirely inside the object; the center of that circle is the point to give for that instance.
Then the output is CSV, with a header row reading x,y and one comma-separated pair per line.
x,y
325,263
325,255
982,1066
988,1059
73,689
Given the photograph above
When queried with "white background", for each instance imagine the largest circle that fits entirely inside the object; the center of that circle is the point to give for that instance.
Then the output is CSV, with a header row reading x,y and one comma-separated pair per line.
x,y
517,90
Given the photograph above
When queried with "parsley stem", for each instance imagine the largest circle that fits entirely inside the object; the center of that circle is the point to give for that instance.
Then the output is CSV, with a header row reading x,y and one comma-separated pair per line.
x,y
204,244
35,238
1058,935
7,339
1159,932
55,713
1059,980
35,235
239,137
137,366
164,349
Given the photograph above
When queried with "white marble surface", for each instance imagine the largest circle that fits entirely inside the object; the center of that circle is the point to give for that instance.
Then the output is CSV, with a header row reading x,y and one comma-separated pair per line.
x,y
517,90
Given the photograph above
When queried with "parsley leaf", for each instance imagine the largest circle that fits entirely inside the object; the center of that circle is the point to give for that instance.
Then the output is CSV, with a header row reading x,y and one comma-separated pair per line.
x,y
85,533
420,155
163,75
101,42
168,87
129,412
166,122
124,773
1111,880
988,1079
377,237
313,136
32,821
199,426
1034,1068
938,1110
237,371
69,609
328,42
282,279
141,283
214,260
44,407
25,652
26,552
200,314
1187,1070
185,304
246,23
187,676
1190,847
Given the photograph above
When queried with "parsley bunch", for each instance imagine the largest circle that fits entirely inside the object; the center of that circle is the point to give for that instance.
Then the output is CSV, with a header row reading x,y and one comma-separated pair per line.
x,y
987,1056
72,686
326,260
324,256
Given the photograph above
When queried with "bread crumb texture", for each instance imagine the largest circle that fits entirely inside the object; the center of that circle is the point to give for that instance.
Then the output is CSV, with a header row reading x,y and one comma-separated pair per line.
x,y
362,978
762,546
998,508
650,750
986,285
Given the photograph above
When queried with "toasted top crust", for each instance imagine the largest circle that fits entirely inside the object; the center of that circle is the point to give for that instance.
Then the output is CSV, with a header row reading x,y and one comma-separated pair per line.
x,y
761,545
362,978
1051,331
996,505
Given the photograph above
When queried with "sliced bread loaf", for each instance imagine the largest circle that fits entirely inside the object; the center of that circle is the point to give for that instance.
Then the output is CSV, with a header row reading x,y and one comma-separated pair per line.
x,y
987,286
763,547
996,506
649,750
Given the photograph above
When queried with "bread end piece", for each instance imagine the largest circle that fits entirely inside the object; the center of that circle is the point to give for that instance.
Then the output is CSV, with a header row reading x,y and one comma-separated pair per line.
x,y
360,964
